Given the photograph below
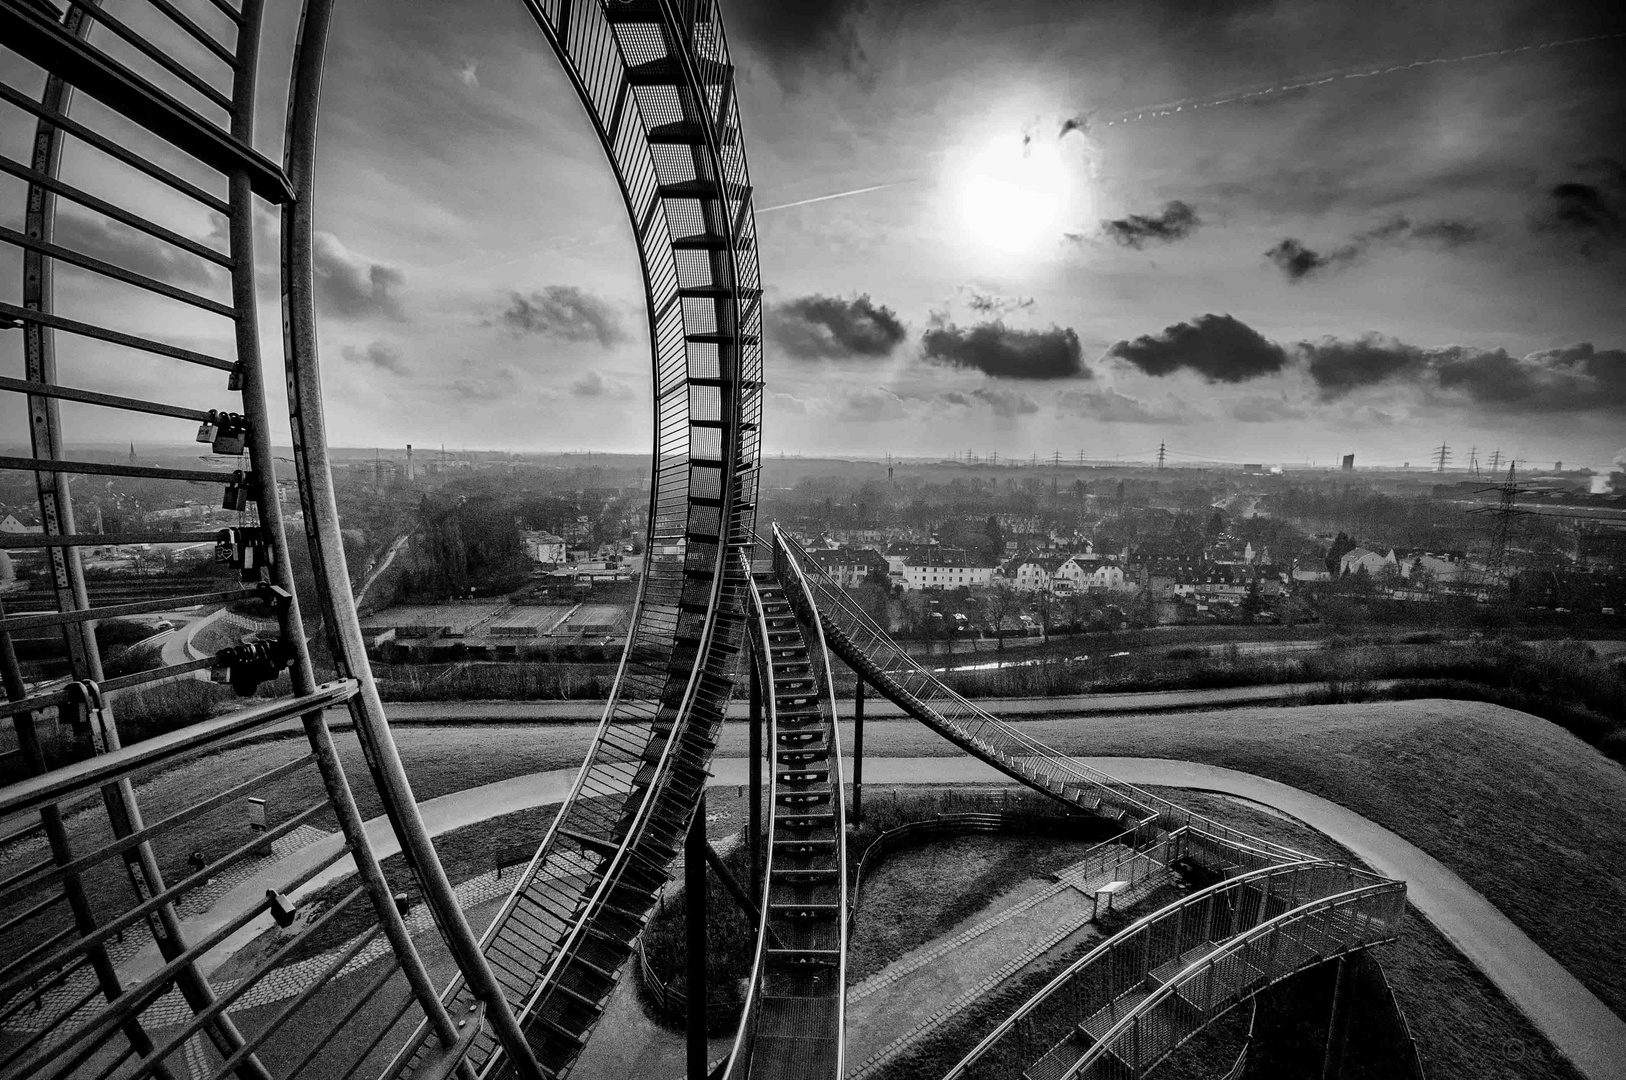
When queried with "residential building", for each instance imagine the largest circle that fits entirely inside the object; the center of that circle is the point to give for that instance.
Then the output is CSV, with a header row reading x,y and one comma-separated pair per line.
x,y
945,569
544,547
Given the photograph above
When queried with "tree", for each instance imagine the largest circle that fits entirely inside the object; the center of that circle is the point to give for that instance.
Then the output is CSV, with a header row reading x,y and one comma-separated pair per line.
x,y
1252,602
999,602
1044,605
994,541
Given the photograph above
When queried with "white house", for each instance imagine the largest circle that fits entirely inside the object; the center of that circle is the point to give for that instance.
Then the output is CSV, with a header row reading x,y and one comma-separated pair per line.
x,y
944,572
544,547
1357,559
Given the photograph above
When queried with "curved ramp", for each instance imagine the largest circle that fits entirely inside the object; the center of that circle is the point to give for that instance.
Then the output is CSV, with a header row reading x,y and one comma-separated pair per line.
x,y
792,1024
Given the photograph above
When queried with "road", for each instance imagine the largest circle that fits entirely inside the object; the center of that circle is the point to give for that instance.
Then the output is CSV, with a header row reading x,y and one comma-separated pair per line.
x,y
1576,1022
382,565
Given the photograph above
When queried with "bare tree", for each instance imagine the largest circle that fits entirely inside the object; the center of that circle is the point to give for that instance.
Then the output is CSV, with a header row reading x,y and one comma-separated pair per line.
x,y
999,602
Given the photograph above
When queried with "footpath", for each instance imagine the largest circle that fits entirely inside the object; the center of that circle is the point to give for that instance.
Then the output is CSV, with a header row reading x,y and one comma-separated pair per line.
x,y
1577,1023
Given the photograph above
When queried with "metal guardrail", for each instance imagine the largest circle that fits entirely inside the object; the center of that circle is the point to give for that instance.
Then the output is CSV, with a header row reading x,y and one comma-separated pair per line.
x,y
1187,1000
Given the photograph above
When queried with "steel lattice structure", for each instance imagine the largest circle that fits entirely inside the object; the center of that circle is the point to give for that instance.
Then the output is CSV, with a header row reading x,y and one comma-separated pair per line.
x,y
115,936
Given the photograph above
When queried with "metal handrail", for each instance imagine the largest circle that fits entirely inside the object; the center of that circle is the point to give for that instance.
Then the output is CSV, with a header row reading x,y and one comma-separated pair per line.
x,y
746,1034
838,805
1143,924
1230,948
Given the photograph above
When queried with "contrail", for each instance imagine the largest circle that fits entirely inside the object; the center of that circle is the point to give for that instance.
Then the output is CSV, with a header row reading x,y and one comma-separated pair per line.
x,y
1153,112
837,195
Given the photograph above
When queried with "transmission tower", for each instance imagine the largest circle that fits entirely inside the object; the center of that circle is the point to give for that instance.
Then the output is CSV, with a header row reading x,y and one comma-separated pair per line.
x,y
1161,449
1055,460
1473,459
1081,459
1442,454
1496,461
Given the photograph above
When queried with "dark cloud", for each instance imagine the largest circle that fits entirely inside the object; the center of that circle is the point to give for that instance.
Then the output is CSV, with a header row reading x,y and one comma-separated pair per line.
x,y
1574,378
564,312
993,304
351,287
1591,214
1339,367
806,33
1218,347
134,250
830,327
1297,262
380,354
1080,124
1005,404
1175,222
995,349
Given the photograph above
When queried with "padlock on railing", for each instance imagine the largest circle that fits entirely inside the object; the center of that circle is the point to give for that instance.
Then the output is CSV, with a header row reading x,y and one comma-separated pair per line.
x,y
232,435
245,667
237,494
207,429
234,378
248,548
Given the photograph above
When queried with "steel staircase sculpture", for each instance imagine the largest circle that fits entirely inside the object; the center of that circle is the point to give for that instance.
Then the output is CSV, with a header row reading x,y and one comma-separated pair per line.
x,y
175,82
1129,1002
792,1024
656,79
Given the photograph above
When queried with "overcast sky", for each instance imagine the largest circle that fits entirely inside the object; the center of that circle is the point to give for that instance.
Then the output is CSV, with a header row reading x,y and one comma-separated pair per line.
x,y
1075,246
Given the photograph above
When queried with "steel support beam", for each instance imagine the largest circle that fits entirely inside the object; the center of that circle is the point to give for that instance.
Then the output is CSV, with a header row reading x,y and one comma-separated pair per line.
x,y
694,904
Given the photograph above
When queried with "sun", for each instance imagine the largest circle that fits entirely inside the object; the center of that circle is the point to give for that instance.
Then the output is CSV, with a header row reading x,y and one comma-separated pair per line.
x,y
1011,193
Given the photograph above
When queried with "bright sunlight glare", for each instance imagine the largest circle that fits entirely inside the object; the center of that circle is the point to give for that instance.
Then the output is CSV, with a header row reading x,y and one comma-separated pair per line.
x,y
1012,192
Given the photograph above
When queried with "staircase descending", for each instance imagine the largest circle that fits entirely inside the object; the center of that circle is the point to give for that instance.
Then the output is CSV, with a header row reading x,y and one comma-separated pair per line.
x,y
792,1025
916,689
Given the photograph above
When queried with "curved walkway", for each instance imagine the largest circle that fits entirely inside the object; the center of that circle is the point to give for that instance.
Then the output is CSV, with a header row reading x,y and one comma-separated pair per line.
x,y
1577,1023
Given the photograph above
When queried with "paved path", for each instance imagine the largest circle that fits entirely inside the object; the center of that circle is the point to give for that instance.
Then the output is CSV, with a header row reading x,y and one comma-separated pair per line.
x,y
1570,1016
463,712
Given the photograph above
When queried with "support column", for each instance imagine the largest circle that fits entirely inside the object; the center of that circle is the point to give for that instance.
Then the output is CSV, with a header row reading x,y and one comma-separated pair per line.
x,y
1332,1065
753,832
694,899
858,750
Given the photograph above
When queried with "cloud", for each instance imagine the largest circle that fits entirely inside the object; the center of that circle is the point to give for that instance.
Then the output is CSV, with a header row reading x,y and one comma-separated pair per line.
x,y
1573,378
351,287
1339,367
119,244
379,354
1080,124
594,384
1176,222
869,404
1297,262
828,327
564,312
995,349
993,304
1590,216
1266,410
1218,347
1005,404
500,385
1112,407
804,34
